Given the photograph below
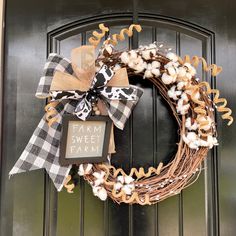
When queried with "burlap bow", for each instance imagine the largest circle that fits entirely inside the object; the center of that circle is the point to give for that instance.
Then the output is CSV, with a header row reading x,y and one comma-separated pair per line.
x,y
62,75
87,87
97,90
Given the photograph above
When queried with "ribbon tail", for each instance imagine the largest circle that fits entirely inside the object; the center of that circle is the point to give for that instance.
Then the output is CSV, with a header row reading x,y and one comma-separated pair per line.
x,y
120,110
83,109
42,151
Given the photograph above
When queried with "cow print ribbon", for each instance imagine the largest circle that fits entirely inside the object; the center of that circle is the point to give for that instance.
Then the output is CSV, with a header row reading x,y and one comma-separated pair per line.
x,y
98,90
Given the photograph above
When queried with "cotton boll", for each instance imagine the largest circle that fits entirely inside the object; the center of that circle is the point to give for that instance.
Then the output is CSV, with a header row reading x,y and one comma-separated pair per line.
x,y
192,140
205,119
182,108
182,72
210,142
151,69
139,68
127,190
181,85
149,66
184,97
173,57
138,60
171,70
138,64
171,64
152,52
194,145
192,136
189,125
190,68
131,186
167,79
124,57
172,93
188,76
146,54
131,64
120,179
156,72
102,194
85,169
133,55
95,190
99,178
156,64
97,182
152,45
128,179
147,74
118,186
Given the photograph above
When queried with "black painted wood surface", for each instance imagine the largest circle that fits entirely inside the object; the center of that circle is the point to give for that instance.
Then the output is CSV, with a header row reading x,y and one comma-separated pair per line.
x,y
30,204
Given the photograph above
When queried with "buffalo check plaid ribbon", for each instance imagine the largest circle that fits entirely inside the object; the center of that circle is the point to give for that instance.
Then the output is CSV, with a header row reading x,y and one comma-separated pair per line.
x,y
43,148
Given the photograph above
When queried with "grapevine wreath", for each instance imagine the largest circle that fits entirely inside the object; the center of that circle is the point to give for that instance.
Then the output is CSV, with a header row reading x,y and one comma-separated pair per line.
x,y
192,102
192,106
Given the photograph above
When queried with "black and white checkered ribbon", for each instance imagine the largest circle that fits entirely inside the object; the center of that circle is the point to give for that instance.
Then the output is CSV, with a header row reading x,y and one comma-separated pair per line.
x,y
42,150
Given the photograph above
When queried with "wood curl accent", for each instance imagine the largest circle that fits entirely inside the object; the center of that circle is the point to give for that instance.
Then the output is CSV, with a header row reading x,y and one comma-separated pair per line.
x,y
96,38
139,173
196,61
121,36
69,187
219,102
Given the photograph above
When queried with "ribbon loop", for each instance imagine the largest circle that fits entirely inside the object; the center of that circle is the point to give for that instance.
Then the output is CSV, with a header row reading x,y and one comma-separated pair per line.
x,y
102,77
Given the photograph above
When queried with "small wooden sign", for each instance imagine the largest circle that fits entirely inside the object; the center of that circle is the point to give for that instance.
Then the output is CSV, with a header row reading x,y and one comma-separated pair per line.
x,y
84,141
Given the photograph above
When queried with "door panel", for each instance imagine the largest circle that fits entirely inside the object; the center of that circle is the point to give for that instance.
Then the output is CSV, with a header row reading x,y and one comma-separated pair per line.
x,y
29,203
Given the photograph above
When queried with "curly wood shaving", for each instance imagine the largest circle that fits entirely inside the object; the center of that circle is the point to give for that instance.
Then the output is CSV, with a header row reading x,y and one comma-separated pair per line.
x,y
139,173
121,36
133,198
95,40
200,110
220,102
69,187
195,61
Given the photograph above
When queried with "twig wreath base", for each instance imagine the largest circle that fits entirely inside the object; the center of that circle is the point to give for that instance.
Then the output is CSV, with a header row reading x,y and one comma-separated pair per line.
x,y
193,104
157,183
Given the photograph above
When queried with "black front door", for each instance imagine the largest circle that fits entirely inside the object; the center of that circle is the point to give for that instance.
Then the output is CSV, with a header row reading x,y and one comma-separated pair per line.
x,y
30,204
